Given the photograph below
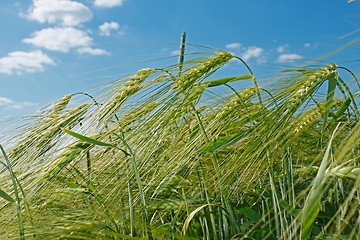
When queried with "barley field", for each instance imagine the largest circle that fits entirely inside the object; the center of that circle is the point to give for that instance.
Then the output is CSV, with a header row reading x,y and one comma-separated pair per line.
x,y
177,153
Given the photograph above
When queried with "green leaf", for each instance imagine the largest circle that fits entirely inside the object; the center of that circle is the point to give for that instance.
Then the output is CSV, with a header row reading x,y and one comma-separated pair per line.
x,y
222,81
18,208
190,217
290,209
222,142
91,141
72,185
6,196
313,199
87,139
90,185
251,214
341,110
330,96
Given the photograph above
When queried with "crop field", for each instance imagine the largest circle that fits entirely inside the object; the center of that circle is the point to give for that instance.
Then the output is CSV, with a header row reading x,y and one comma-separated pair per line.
x,y
177,153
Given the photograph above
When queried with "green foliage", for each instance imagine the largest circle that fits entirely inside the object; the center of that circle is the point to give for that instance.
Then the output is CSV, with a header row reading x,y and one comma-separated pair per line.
x,y
173,153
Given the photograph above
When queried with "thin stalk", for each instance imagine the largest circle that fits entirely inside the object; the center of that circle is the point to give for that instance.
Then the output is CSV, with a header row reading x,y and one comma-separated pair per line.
x,y
141,192
88,163
352,74
26,204
224,201
99,199
126,232
253,79
212,219
274,197
351,97
289,180
242,102
131,209
18,209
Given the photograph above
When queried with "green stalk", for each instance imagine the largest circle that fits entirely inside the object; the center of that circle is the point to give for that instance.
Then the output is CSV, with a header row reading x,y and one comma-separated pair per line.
x,y
351,96
26,204
274,197
141,192
18,209
312,203
132,228
88,163
253,79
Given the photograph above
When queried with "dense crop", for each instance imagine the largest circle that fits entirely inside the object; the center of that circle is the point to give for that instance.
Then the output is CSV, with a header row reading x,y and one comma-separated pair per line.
x,y
164,154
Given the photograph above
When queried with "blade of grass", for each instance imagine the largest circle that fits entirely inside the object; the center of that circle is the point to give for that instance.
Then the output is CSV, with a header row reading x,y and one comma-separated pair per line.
x,y
222,81
312,203
190,217
250,214
5,196
100,200
138,180
26,204
18,209
92,141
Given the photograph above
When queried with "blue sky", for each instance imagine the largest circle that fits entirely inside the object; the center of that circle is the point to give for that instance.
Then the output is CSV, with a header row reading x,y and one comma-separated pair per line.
x,y
50,48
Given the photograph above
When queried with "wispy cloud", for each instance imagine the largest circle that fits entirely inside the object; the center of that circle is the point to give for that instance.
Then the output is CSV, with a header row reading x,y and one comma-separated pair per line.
x,y
307,45
65,12
252,52
108,3
233,46
19,62
92,51
107,27
282,48
5,101
175,52
59,39
10,104
19,105
289,57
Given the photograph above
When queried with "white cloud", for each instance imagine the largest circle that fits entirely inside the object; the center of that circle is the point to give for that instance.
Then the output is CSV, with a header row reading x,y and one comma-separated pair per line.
x,y
105,29
59,39
252,52
65,12
233,45
175,52
108,3
20,105
289,57
10,104
18,62
282,48
307,45
5,101
92,51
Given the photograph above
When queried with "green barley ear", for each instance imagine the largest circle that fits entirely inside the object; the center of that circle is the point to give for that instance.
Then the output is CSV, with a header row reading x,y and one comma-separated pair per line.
x,y
108,110
310,85
195,73
182,52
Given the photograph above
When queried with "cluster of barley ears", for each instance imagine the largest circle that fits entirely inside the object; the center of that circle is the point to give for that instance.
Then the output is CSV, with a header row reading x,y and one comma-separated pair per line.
x,y
174,153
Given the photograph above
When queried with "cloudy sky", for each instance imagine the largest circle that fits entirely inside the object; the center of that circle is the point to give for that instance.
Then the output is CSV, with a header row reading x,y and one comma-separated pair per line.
x,y
49,48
